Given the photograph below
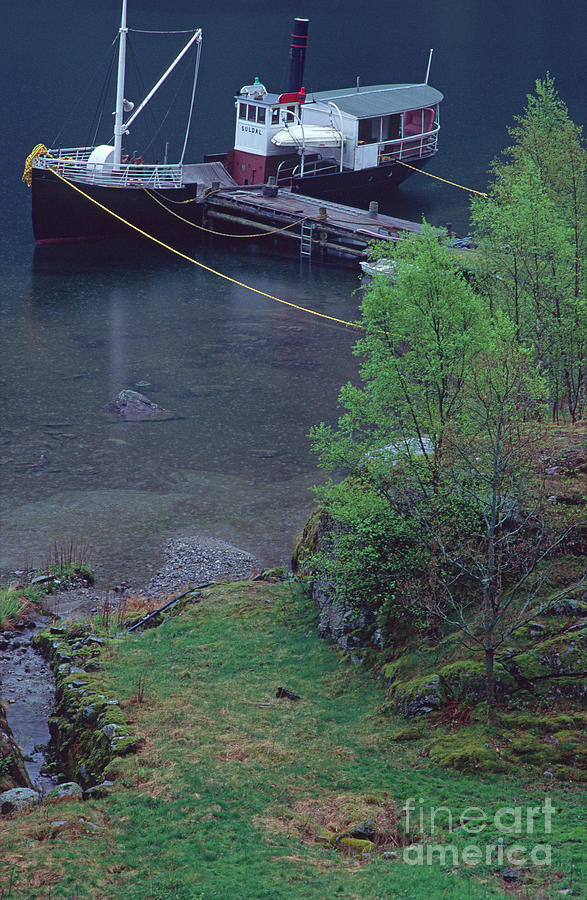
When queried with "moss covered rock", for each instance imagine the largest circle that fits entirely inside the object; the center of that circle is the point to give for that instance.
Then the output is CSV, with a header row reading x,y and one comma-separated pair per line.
x,y
13,773
307,540
419,696
464,681
555,667
88,728
352,845
468,751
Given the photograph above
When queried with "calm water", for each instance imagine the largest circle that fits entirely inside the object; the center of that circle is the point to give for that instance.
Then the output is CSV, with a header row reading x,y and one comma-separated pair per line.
x,y
245,376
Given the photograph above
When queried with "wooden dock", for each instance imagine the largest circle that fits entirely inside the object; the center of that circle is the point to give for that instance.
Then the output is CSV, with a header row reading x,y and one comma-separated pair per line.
x,y
320,228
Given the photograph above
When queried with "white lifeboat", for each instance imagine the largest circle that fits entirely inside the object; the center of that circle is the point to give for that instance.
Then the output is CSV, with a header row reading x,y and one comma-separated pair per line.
x,y
307,136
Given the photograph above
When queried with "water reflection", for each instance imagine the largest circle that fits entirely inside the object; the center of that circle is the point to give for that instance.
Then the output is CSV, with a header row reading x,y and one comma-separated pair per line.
x,y
245,377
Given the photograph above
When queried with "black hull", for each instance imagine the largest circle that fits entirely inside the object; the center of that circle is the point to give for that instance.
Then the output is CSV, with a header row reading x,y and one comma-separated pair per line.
x,y
61,214
356,188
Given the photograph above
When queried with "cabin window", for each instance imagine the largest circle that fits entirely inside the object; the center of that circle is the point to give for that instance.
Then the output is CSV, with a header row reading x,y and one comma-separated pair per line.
x,y
378,129
261,114
369,130
390,127
275,116
252,113
242,110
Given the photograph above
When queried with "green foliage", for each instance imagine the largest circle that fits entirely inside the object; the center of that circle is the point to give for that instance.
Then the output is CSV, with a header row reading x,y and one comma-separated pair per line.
x,y
67,563
439,518
69,572
422,335
421,331
13,602
533,235
371,551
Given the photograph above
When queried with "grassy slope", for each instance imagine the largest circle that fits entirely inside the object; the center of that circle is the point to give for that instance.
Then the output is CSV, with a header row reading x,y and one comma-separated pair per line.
x,y
223,799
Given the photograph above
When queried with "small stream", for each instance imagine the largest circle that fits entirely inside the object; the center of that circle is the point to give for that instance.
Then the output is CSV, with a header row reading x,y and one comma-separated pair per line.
x,y
27,687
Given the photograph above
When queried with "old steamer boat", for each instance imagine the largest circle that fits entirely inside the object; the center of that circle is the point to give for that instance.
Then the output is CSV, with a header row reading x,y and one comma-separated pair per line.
x,y
346,144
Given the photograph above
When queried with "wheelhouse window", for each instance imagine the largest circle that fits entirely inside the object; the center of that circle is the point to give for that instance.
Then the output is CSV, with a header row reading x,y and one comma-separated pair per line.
x,y
249,112
275,116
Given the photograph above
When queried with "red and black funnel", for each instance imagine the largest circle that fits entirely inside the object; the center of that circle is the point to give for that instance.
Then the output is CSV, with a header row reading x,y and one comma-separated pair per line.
x,y
297,54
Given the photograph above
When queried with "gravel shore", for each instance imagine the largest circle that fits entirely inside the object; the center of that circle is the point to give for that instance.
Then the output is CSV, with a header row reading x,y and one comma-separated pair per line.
x,y
188,560
193,560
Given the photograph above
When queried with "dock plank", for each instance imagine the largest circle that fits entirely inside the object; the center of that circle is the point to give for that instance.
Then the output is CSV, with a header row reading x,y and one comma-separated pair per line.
x,y
338,228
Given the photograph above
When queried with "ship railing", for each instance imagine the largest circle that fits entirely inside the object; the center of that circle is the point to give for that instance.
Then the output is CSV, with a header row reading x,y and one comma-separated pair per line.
x,y
413,146
74,165
292,168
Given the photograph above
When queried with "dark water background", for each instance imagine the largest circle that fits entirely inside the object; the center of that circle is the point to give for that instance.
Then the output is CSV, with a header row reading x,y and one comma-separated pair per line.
x,y
245,376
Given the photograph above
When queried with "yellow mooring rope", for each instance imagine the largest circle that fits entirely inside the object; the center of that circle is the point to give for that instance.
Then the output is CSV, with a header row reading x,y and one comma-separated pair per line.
x,y
201,265
438,178
222,233
39,150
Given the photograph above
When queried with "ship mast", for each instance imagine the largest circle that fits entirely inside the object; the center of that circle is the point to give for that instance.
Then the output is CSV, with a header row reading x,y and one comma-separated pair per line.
x,y
119,127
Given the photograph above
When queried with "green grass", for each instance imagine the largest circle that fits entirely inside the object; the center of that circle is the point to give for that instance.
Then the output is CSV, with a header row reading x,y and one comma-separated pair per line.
x,y
232,786
14,602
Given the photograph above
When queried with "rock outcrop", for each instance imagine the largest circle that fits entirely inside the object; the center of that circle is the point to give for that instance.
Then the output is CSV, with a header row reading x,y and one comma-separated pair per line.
x,y
18,799
349,627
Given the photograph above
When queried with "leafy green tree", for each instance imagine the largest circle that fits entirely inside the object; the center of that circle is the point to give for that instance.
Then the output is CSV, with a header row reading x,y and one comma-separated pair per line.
x,y
422,331
437,518
532,233
493,576
439,510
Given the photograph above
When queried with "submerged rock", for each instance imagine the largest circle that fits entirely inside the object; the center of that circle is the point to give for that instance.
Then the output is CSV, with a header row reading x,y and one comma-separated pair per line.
x,y
130,406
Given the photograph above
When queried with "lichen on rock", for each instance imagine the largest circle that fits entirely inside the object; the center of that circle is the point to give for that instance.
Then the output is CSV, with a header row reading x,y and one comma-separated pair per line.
x,y
87,727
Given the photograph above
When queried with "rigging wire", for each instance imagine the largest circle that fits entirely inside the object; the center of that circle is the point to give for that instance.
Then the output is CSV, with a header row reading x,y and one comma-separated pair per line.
x,y
158,125
196,70
83,96
101,103
142,90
